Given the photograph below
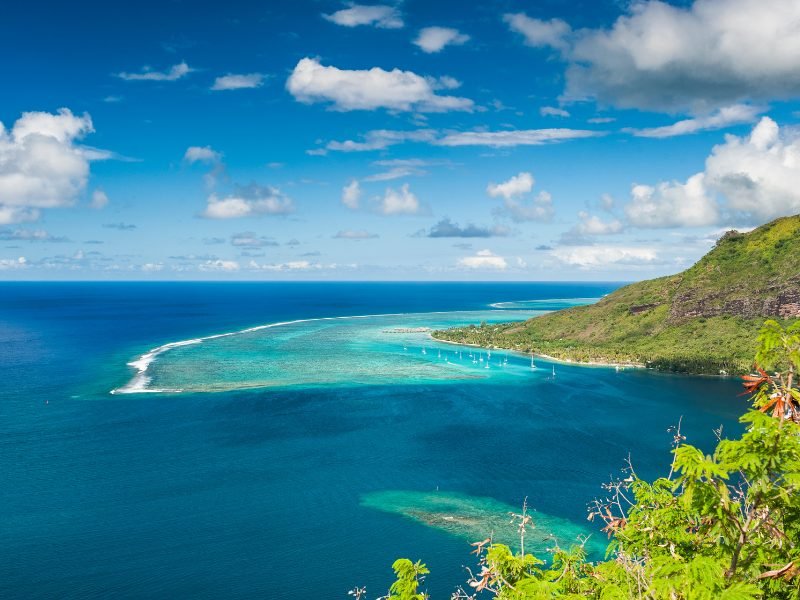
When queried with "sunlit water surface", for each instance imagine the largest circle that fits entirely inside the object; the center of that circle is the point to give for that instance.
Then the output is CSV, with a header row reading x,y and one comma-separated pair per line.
x,y
299,460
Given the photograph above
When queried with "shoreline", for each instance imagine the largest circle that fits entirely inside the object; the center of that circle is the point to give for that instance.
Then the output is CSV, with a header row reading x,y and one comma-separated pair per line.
x,y
564,361
578,363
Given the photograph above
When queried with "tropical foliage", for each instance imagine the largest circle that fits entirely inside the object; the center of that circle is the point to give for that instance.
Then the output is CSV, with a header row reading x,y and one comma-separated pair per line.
x,y
719,526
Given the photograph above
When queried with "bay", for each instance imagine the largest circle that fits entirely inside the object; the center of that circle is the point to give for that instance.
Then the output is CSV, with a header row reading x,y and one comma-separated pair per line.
x,y
246,491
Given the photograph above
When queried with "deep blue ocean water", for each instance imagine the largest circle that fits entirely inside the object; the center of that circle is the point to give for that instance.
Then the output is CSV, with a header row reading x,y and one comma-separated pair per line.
x,y
257,493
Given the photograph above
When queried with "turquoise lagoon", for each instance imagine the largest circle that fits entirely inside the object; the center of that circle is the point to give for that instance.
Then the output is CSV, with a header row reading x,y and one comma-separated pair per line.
x,y
367,349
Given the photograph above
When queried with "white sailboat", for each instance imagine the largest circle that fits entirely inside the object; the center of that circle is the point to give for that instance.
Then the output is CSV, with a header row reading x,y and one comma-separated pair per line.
x,y
533,366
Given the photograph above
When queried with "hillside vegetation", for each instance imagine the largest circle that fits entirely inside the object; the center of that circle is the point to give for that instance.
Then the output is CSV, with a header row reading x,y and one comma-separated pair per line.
x,y
703,320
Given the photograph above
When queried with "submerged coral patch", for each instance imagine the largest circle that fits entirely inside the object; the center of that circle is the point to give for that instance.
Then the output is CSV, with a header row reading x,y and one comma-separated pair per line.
x,y
476,518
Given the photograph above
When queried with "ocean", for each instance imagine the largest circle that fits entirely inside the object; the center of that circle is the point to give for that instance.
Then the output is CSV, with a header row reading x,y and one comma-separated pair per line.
x,y
299,461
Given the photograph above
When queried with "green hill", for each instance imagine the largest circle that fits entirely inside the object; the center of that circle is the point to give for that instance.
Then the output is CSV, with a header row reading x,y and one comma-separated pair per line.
x,y
703,320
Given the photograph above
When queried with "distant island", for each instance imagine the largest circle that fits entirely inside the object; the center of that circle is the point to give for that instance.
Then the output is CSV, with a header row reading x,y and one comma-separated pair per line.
x,y
703,320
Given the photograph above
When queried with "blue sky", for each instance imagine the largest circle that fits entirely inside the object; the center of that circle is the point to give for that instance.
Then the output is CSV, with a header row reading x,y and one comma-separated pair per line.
x,y
601,140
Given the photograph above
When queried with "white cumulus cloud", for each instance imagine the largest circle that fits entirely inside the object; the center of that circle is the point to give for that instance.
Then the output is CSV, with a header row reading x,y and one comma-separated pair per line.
x,y
593,225
201,154
399,202
148,74
553,111
238,82
672,204
376,15
351,194
539,208
516,186
370,89
99,199
248,201
758,175
483,259
208,156
13,263
749,179
709,54
435,39
539,33
41,164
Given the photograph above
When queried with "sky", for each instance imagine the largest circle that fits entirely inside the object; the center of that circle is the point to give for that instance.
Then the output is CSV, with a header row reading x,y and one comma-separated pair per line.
x,y
408,140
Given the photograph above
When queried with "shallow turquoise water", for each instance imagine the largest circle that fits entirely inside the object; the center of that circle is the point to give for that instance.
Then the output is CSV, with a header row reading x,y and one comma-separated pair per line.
x,y
367,350
475,518
260,492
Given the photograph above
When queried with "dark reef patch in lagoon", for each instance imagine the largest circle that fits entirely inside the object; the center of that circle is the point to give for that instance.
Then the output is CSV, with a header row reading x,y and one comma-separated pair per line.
x,y
475,518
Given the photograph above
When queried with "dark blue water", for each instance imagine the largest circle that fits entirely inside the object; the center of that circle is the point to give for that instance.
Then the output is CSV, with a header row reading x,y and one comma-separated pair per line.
x,y
256,494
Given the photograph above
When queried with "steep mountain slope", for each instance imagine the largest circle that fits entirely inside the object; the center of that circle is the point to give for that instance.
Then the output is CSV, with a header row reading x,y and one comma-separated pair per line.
x,y
703,320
